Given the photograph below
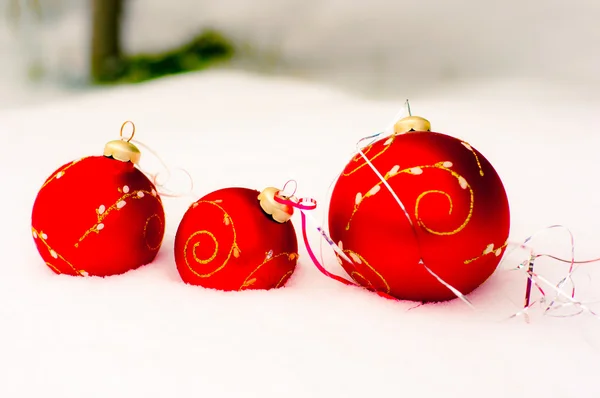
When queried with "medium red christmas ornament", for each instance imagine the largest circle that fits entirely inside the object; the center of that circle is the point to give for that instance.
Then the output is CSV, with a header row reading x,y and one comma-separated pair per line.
x,y
453,223
99,215
237,239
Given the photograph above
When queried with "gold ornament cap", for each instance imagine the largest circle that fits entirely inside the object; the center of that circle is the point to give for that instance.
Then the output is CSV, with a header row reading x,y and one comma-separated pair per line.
x,y
411,123
279,211
122,149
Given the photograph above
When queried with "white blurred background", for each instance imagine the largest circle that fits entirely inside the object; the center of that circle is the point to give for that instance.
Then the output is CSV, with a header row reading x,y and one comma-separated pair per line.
x,y
380,48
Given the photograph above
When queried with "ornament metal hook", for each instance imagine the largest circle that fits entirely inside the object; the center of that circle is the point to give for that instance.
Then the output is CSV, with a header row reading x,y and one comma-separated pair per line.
x,y
283,192
132,132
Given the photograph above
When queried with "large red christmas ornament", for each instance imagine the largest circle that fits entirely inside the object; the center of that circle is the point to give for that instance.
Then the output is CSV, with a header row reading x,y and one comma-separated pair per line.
x,y
98,215
455,220
237,239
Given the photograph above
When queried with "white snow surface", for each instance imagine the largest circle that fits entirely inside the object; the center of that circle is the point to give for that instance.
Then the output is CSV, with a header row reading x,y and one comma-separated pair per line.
x,y
147,334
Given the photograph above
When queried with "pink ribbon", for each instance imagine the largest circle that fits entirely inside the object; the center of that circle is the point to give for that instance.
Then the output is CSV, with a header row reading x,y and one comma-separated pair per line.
x,y
308,204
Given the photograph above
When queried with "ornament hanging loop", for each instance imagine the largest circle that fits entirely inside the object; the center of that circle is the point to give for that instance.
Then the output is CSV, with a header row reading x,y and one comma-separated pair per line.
x,y
123,150
285,192
132,130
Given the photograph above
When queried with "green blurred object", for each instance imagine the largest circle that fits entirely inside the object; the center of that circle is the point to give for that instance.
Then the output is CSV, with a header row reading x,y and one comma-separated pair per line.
x,y
204,50
108,62
110,65
207,49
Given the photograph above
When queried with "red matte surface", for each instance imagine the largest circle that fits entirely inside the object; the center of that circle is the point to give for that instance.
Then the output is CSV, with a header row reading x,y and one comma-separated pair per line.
x,y
97,216
225,241
453,229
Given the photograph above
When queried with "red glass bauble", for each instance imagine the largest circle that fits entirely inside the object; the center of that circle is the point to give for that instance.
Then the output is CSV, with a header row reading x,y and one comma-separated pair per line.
x,y
456,203
97,216
226,241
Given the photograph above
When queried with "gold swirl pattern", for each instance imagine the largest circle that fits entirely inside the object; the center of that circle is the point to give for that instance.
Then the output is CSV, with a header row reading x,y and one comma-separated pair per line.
x,y
284,279
102,212
488,250
234,250
445,166
418,170
358,157
470,148
357,258
42,237
355,274
269,257
53,267
148,220
61,172
213,255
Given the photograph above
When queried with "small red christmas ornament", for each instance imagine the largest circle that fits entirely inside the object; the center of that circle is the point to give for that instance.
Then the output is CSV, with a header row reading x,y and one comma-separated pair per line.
x,y
99,215
452,222
237,239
